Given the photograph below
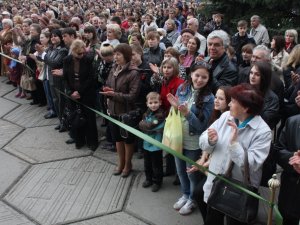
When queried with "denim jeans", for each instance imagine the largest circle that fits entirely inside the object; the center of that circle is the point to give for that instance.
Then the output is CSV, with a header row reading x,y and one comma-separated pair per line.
x,y
188,181
49,96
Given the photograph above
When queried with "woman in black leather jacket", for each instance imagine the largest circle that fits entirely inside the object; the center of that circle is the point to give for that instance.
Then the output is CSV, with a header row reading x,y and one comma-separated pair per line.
x,y
53,59
260,77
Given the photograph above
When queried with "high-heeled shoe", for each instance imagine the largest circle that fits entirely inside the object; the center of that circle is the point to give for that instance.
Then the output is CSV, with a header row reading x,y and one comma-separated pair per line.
x,y
126,173
117,172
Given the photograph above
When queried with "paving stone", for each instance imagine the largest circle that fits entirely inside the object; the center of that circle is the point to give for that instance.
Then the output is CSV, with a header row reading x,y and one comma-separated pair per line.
x,y
6,106
158,207
3,78
120,218
44,144
8,131
11,96
69,190
30,116
10,169
5,88
8,216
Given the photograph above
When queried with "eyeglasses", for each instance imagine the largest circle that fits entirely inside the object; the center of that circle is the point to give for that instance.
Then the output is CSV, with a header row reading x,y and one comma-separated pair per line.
x,y
203,64
80,53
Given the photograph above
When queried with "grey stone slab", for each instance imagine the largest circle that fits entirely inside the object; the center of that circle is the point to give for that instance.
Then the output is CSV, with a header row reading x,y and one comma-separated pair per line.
x,y
120,218
3,78
43,144
11,96
158,207
10,169
6,106
7,132
8,216
69,190
30,116
5,88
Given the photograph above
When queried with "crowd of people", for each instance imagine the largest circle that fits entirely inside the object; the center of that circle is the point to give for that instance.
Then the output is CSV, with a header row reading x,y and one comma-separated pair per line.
x,y
237,92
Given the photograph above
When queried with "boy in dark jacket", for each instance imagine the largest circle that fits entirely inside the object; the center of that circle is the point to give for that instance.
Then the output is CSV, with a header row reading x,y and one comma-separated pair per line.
x,y
240,39
153,124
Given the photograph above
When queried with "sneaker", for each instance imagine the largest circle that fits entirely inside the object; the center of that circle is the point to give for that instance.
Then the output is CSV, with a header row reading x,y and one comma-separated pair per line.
x,y
155,187
18,95
180,203
187,208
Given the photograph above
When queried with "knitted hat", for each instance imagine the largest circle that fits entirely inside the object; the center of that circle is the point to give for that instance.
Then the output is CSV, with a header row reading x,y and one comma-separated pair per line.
x,y
15,51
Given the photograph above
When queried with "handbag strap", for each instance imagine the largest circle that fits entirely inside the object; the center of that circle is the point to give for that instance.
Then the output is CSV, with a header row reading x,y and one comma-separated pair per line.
x,y
246,173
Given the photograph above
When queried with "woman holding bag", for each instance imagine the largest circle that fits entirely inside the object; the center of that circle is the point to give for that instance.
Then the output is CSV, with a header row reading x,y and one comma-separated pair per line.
x,y
195,101
122,90
238,129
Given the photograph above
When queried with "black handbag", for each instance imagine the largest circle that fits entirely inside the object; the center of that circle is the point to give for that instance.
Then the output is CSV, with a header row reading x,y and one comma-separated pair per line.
x,y
80,119
232,201
132,119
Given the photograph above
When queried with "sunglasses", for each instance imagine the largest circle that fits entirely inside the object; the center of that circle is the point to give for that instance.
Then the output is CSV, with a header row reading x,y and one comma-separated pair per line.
x,y
203,64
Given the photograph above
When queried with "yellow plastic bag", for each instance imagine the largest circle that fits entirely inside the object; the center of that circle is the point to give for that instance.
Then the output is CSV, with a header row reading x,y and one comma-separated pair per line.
x,y
172,136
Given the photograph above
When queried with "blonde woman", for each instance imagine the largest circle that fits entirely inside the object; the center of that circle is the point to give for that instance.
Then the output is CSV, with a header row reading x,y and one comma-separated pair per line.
x,y
80,85
113,34
292,68
291,39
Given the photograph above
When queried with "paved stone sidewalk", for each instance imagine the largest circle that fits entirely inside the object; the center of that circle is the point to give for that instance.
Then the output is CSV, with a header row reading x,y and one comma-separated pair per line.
x,y
45,181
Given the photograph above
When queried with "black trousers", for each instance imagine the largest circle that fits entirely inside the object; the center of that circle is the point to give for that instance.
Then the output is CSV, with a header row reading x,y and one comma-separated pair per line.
x,y
215,217
88,133
153,164
290,221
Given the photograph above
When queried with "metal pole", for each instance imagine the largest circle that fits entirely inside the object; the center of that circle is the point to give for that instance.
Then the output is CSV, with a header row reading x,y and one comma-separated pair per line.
x,y
273,183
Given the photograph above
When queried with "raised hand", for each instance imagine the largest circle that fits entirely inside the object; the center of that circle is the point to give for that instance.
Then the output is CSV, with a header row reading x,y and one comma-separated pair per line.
x,y
212,136
234,129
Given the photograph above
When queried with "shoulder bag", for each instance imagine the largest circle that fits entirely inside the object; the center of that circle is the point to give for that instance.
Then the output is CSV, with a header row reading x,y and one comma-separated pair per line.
x,y
232,201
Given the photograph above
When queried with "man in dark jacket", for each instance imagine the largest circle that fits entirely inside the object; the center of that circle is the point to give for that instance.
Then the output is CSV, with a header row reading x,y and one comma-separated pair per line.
x,y
288,157
224,72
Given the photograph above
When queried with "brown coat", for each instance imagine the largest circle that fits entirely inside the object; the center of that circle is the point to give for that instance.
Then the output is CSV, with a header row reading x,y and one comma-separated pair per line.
x,y
126,86
6,38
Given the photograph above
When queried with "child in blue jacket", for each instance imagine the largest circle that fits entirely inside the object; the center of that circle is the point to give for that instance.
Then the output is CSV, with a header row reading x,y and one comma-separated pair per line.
x,y
152,124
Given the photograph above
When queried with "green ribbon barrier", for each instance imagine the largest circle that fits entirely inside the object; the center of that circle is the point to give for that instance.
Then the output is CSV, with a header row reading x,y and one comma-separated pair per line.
x,y
18,61
278,217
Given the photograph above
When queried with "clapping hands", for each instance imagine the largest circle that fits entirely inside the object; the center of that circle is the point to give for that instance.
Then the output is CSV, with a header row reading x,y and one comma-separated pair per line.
x,y
295,161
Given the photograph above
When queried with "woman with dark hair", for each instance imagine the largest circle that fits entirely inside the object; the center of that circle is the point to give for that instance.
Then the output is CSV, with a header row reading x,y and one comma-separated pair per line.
x,y
191,53
91,38
194,100
260,78
136,39
53,59
122,89
279,55
238,131
222,99
92,45
80,86
221,105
